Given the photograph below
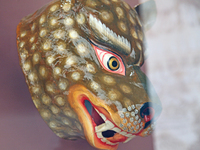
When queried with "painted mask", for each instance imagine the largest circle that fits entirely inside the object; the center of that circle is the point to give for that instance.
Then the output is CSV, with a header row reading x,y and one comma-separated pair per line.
x,y
81,60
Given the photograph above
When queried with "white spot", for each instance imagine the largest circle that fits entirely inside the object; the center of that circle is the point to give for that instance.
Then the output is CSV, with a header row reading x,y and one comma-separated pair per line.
x,y
50,60
62,85
42,19
76,76
46,99
21,44
68,21
57,71
82,49
80,18
70,60
58,34
139,46
55,110
95,85
27,66
61,46
43,32
73,34
23,34
52,124
49,87
47,45
36,58
45,114
32,77
53,21
33,27
54,8
91,68
66,7
43,71
32,39
60,101
109,80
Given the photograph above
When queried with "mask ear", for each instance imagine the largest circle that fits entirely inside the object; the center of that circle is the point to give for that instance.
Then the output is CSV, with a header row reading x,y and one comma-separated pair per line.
x,y
147,13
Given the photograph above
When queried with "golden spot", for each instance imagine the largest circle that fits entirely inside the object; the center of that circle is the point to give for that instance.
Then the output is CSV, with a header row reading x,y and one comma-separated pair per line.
x,y
114,94
55,109
42,19
54,8
32,77
125,89
46,99
23,34
134,34
73,34
24,54
36,102
138,20
36,58
115,0
106,16
63,84
50,60
122,26
60,101
126,5
139,46
36,89
107,2
53,21
27,65
109,80
57,71
76,76
50,87
90,68
140,35
33,27
67,7
82,49
71,60
68,21
91,3
120,12
80,18
32,39
45,114
43,32
47,45
61,46
58,34
21,44
132,20
66,121
43,71
52,124
127,102
69,113
33,46
95,86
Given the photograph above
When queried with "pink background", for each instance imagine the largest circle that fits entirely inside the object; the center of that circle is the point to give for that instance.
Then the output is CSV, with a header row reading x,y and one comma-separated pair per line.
x,y
21,127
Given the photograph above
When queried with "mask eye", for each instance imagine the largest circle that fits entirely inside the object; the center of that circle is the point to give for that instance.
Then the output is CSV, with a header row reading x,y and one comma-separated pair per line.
x,y
110,61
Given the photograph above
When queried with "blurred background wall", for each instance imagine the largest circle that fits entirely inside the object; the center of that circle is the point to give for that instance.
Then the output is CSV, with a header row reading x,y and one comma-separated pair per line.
x,y
173,66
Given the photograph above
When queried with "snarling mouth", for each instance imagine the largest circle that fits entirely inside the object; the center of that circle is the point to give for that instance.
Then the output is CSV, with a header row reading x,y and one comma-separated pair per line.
x,y
106,131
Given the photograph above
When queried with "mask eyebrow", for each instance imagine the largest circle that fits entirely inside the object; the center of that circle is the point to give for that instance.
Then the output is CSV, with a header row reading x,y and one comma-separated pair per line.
x,y
104,32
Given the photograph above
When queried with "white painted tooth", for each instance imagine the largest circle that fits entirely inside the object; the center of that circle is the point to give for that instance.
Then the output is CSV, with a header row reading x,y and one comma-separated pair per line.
x,y
103,140
129,139
116,130
99,135
123,133
129,135
102,116
105,126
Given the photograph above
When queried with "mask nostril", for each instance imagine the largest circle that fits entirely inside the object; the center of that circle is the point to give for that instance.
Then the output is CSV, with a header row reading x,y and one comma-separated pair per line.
x,y
147,112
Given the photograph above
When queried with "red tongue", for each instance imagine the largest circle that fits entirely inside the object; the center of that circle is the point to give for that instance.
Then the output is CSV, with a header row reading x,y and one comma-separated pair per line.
x,y
96,117
117,138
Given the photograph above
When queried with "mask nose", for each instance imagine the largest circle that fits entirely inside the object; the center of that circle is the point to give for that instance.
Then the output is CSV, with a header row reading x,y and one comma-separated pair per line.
x,y
149,111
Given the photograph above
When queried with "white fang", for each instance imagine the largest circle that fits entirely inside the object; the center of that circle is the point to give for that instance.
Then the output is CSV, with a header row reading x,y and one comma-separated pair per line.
x,y
106,32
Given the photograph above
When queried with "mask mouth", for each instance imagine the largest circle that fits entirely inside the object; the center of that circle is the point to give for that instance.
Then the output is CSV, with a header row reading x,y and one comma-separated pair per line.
x,y
106,131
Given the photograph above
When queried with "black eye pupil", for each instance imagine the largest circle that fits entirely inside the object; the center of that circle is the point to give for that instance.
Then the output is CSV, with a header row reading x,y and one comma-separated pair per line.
x,y
114,64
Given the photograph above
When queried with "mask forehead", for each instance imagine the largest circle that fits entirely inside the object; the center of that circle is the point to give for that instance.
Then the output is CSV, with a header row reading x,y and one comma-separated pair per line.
x,y
116,25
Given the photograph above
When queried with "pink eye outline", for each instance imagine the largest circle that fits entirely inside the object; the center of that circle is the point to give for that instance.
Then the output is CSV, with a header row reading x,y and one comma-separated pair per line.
x,y
104,56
